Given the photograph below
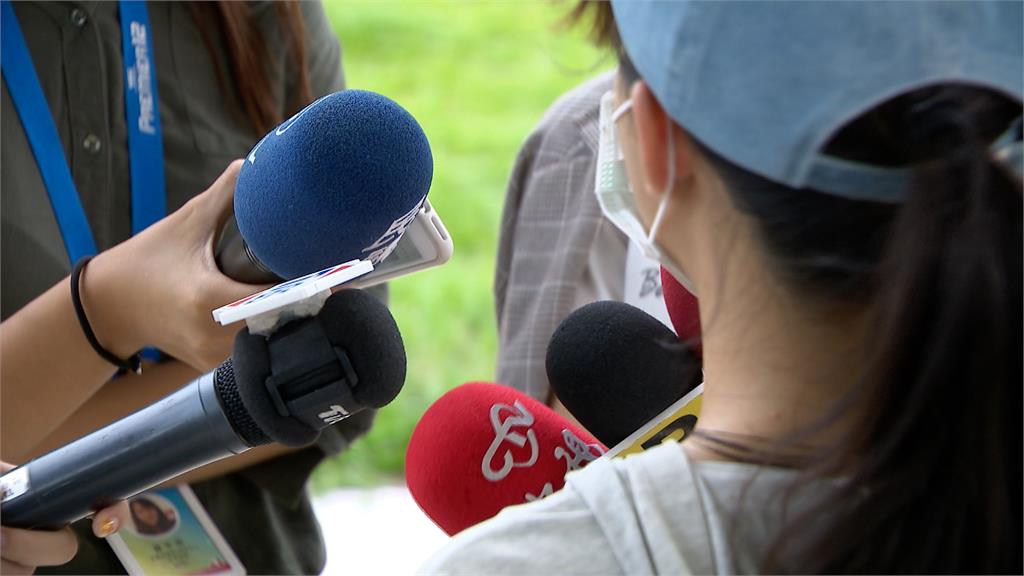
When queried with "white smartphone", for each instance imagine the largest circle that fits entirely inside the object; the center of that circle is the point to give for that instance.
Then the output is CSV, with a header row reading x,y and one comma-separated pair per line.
x,y
425,244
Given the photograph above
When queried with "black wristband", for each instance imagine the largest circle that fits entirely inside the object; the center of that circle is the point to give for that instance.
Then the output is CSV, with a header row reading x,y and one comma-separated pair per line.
x,y
134,362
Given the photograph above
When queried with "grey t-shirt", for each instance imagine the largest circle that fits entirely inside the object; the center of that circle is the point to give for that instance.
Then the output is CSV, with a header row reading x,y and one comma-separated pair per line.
x,y
658,512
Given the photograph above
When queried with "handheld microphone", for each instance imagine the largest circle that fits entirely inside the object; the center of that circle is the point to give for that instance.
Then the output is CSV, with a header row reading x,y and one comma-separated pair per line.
x,y
615,367
482,447
308,375
683,311
340,180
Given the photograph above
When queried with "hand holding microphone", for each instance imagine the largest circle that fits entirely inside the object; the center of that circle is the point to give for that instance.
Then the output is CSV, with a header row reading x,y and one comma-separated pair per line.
x,y
309,374
25,550
158,287
338,181
137,297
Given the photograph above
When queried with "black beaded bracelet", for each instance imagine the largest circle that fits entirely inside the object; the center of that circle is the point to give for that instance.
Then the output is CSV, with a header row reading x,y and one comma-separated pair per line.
x,y
134,362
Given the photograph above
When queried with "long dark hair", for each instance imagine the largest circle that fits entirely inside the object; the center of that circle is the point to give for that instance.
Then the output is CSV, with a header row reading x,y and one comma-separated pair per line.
x,y
231,25
934,469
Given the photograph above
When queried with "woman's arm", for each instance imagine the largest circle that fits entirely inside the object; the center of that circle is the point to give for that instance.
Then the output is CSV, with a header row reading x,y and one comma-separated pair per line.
x,y
124,396
158,288
47,368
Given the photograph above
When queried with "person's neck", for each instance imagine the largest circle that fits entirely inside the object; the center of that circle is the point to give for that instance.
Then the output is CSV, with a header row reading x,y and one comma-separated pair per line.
x,y
774,365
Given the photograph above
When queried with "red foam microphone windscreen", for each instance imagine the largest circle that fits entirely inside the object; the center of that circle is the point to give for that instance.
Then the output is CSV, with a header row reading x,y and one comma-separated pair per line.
x,y
482,447
682,310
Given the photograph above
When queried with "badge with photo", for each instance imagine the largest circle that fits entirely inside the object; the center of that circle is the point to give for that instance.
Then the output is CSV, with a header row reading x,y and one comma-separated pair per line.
x,y
169,532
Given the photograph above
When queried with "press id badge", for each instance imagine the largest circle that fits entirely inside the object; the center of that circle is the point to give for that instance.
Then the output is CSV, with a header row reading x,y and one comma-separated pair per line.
x,y
642,286
169,532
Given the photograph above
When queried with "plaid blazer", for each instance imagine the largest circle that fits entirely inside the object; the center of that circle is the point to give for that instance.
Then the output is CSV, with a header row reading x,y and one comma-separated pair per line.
x,y
556,251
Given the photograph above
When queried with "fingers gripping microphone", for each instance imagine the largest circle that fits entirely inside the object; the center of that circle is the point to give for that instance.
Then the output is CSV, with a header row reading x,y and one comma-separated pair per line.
x,y
482,447
341,180
308,375
615,367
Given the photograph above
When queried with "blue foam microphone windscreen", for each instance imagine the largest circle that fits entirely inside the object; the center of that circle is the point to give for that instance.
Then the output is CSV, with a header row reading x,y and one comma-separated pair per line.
x,y
340,180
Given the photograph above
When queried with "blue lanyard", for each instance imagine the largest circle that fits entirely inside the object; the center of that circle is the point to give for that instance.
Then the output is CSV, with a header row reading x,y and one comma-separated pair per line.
x,y
145,144
145,140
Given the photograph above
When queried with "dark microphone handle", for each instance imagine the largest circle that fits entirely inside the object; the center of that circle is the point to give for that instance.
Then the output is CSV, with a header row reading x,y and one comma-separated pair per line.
x,y
237,262
125,458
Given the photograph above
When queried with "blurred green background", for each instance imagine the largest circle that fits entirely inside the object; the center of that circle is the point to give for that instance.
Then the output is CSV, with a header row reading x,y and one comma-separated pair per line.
x,y
478,76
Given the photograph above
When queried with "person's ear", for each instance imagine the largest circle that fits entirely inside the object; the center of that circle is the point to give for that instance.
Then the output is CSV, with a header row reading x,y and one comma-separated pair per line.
x,y
653,129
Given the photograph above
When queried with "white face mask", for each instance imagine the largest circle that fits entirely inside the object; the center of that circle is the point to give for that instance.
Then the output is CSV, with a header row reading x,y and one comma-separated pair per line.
x,y
615,195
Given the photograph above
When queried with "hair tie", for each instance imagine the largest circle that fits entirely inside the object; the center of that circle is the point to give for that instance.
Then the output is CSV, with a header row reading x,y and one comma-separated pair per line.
x,y
1008,149
132,363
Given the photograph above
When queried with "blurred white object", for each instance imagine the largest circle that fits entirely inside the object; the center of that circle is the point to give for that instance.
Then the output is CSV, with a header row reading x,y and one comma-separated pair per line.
x,y
362,526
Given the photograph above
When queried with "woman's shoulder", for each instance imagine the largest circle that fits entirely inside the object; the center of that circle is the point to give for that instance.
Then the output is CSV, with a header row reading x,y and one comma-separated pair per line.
x,y
614,516
658,511
665,512
555,535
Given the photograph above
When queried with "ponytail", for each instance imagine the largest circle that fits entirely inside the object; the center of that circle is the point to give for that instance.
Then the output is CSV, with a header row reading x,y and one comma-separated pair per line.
x,y
936,482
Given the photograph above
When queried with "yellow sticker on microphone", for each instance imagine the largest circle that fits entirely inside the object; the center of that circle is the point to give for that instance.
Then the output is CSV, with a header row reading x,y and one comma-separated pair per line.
x,y
674,423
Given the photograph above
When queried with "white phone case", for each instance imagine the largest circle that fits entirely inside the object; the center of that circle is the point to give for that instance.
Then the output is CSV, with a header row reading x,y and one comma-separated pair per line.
x,y
424,245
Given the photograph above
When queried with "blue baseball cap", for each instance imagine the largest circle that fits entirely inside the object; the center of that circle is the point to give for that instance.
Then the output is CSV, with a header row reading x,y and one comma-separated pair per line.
x,y
767,84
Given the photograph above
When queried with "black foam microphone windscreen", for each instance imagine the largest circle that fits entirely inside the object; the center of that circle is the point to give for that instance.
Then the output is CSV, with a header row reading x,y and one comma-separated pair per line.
x,y
365,351
615,367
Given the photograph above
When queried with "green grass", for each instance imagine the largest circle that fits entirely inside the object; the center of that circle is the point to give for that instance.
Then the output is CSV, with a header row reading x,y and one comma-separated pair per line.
x,y
478,76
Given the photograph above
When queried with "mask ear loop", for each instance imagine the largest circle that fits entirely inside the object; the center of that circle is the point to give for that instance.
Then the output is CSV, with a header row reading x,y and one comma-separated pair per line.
x,y
621,110
663,205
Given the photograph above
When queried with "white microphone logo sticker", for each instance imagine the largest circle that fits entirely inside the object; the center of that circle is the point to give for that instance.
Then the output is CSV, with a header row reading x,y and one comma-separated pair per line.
x,y
516,416
384,245
578,453
287,124
545,491
140,79
335,414
284,127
